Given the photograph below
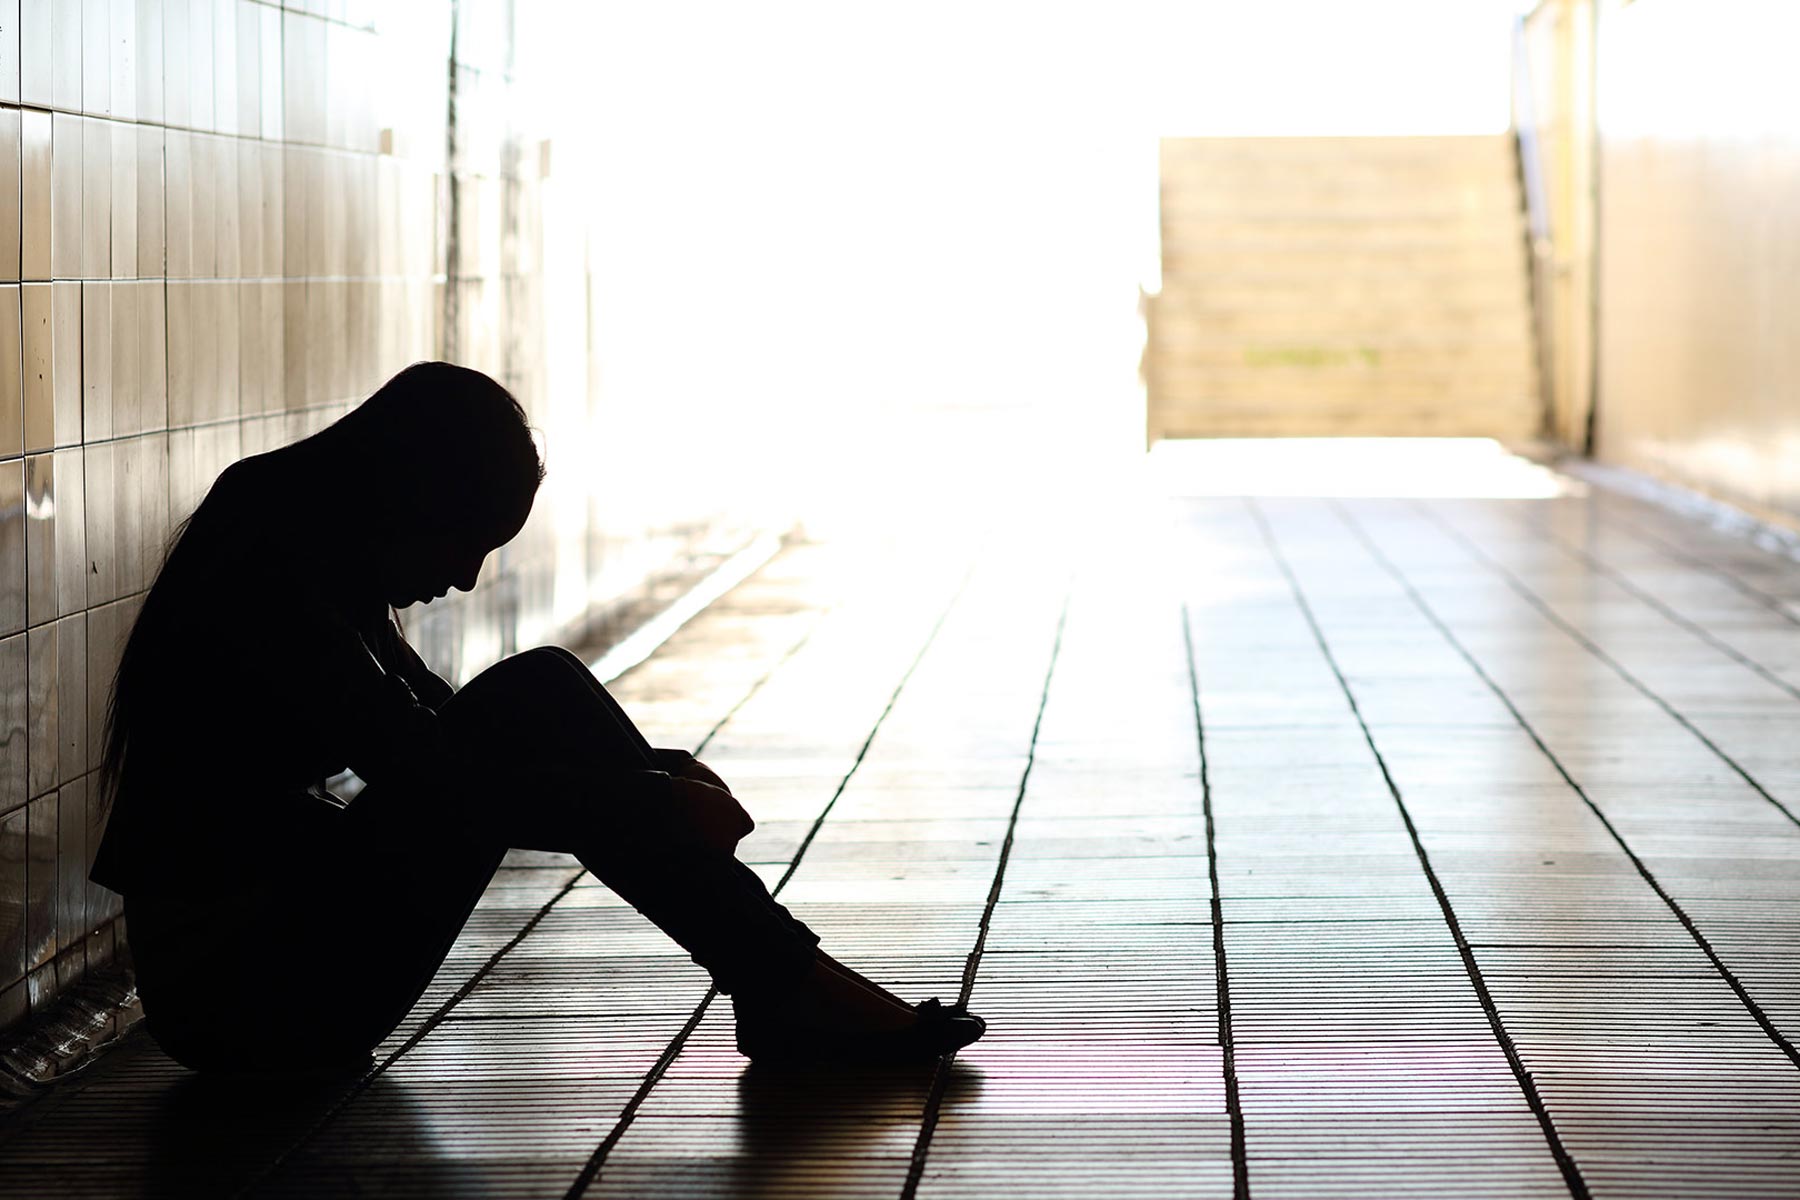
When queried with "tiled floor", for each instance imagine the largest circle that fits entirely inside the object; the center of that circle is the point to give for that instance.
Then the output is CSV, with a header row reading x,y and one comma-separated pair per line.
x,y
1366,847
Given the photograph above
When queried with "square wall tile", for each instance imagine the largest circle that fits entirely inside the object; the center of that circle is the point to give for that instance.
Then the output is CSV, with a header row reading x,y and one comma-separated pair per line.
x,y
178,203
34,195
152,360
303,78
96,55
204,202
40,539
42,760
65,196
43,986
35,53
71,699
12,373
150,202
13,831
100,464
227,346
96,361
71,963
295,356
175,63
296,183
65,54
13,718
124,200
10,193
251,371
40,882
107,626
12,549
269,336
203,354
122,399
65,354
274,208
250,210
224,66
269,71
71,864
178,296
201,68
96,199
142,526
9,51
327,202
122,58
38,370
227,211
249,68
129,525
189,352
147,28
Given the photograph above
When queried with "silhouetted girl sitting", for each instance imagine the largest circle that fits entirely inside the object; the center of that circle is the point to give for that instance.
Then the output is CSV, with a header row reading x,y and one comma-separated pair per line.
x,y
274,929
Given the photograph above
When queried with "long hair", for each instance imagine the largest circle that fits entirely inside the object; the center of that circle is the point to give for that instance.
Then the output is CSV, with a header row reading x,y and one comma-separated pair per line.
x,y
436,430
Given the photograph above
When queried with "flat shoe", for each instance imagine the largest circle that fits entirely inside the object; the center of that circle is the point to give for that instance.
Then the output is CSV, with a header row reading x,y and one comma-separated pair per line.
x,y
940,1029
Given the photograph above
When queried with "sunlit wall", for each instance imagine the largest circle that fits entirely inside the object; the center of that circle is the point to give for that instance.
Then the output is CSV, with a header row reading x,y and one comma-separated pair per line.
x,y
1699,109
880,259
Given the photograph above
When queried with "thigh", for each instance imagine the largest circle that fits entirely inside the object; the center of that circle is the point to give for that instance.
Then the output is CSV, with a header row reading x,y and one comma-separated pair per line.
x,y
323,959
541,707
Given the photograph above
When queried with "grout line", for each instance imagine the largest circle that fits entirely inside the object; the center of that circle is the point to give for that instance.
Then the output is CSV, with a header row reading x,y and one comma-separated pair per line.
x,y
1762,1019
1592,647
940,1075
443,1012
1571,1173
1234,1107
1606,571
596,1161
1666,498
1748,590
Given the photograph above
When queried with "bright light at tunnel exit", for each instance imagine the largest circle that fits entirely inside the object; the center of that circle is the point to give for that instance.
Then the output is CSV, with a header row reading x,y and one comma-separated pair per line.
x,y
1419,468
842,251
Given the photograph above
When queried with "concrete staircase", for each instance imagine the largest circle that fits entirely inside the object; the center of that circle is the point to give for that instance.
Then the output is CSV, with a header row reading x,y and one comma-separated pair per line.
x,y
1342,286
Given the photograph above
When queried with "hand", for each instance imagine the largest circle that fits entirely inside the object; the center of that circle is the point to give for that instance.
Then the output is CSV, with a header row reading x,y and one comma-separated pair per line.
x,y
702,773
710,814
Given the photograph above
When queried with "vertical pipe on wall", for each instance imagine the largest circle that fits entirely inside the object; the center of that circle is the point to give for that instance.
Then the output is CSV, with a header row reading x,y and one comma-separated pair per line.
x,y
1591,68
452,245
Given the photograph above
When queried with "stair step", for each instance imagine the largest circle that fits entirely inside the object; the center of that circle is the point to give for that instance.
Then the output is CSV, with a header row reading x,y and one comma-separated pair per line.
x,y
1287,327
1245,238
1352,422
1434,154
1474,203
1360,295
1251,388
1300,359
1348,294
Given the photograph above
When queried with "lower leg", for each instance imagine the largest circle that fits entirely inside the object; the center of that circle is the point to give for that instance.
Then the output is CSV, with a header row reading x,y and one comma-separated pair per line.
x,y
711,904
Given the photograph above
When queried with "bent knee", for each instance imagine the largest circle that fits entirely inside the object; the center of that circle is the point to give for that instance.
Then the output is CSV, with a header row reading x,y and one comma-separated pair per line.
x,y
518,684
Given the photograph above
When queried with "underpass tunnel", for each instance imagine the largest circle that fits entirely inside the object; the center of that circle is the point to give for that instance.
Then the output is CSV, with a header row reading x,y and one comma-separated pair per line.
x,y
1253,543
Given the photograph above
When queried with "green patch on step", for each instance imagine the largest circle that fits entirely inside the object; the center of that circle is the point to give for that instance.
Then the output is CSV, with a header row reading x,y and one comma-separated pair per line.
x,y
1312,356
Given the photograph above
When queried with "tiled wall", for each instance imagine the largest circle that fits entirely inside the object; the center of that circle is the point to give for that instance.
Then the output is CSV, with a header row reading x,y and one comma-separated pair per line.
x,y
223,222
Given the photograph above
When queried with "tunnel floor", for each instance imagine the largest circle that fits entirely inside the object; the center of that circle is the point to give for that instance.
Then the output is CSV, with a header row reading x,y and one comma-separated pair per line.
x,y
1291,847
